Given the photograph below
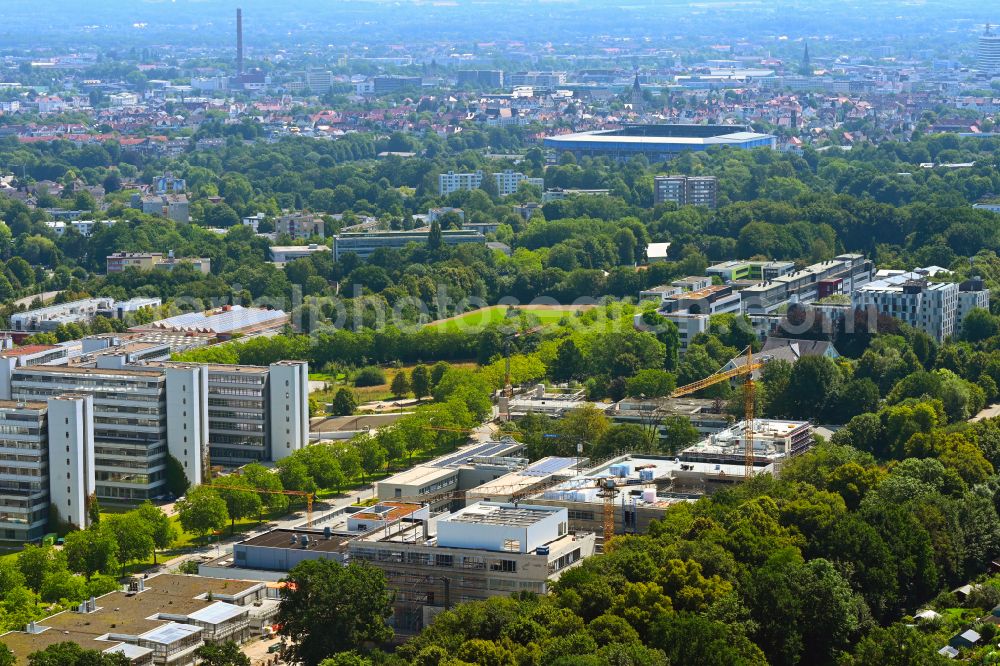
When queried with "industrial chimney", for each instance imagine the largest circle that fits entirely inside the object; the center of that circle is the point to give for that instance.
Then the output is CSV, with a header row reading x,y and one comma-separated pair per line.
x,y
239,41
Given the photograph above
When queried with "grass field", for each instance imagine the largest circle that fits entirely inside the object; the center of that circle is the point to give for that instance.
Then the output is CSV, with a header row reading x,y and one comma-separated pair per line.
x,y
495,314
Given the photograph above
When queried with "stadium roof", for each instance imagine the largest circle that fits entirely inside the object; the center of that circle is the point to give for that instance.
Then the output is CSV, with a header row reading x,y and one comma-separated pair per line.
x,y
734,135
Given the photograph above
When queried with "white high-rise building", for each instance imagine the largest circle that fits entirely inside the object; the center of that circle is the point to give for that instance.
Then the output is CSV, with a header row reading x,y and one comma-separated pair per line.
x,y
971,294
509,181
129,423
453,182
46,461
71,456
198,414
988,53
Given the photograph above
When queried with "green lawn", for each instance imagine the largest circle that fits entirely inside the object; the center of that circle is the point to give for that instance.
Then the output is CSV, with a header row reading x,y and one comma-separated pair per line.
x,y
479,319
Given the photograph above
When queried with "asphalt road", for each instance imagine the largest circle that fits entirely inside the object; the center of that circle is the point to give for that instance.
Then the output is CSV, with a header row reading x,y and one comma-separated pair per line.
x,y
28,300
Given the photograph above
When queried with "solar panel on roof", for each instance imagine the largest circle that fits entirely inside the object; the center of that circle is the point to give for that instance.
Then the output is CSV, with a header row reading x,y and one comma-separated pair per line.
x,y
130,651
217,613
548,466
238,317
170,633
487,450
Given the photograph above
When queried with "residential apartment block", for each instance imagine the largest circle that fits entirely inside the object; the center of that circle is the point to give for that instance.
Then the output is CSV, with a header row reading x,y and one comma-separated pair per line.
x,y
936,308
453,182
971,294
173,206
84,227
300,226
686,190
509,181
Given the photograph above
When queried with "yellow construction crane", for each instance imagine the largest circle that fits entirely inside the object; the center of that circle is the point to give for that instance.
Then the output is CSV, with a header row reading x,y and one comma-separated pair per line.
x,y
746,370
608,493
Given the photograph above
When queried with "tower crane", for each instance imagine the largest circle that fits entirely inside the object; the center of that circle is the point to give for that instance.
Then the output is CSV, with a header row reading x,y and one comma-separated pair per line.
x,y
608,492
746,370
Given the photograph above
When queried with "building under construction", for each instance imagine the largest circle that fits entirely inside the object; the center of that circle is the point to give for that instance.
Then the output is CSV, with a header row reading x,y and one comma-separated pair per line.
x,y
484,550
773,441
482,522
625,494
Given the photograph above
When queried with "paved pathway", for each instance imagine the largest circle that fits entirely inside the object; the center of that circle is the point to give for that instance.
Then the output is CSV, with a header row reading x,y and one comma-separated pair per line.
x,y
28,300
987,413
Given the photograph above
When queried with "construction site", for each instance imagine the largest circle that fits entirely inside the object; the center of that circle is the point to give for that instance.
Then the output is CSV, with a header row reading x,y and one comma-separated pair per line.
x,y
486,520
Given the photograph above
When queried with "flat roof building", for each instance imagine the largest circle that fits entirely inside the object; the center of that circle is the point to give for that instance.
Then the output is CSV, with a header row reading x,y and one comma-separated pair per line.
x,y
44,468
227,415
51,317
845,273
644,491
454,182
520,483
735,271
364,244
282,254
937,308
438,482
706,415
691,311
224,322
657,142
173,206
486,549
773,442
160,620
686,190
300,226
509,181
255,413
270,556
149,261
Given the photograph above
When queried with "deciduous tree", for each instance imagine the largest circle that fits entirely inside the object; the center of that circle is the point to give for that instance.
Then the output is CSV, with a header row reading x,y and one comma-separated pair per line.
x,y
330,608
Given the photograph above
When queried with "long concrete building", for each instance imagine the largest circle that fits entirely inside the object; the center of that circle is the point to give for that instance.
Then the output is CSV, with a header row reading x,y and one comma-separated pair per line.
x,y
143,413
160,621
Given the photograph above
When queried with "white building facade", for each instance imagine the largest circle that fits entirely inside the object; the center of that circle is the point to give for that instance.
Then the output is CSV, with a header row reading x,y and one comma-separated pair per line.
x,y
453,182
